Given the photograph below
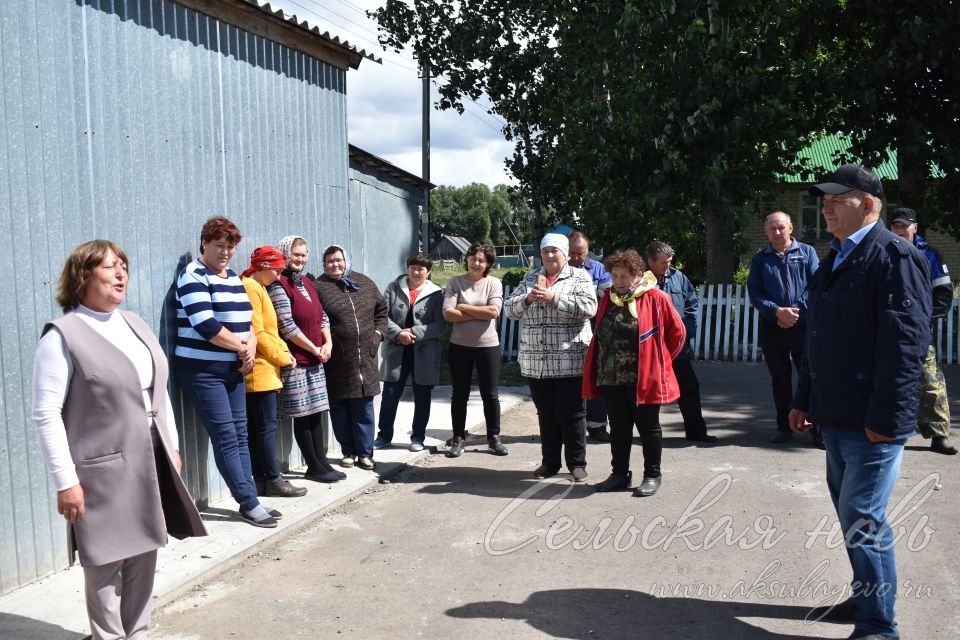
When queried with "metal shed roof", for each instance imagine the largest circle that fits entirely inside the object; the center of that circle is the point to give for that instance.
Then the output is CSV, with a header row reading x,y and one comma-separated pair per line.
x,y
275,21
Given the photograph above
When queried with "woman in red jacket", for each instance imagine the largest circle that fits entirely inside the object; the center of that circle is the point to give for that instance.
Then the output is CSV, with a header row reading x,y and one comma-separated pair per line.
x,y
629,362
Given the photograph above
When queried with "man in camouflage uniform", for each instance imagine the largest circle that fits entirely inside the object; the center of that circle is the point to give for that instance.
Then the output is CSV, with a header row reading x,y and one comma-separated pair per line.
x,y
934,420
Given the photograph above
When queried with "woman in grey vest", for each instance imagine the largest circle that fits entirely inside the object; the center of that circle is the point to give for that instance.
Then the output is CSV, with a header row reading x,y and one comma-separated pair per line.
x,y
108,436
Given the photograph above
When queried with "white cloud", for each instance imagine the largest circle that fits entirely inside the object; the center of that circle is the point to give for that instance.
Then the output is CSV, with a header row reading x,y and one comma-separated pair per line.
x,y
384,106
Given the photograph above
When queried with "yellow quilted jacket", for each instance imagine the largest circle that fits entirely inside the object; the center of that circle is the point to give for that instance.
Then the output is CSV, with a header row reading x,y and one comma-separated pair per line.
x,y
272,352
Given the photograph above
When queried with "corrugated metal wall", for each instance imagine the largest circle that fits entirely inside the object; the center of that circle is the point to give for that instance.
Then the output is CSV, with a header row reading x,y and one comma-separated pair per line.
x,y
384,219
135,120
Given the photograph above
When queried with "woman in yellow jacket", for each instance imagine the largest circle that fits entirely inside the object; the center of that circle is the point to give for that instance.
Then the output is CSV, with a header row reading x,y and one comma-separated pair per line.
x,y
263,381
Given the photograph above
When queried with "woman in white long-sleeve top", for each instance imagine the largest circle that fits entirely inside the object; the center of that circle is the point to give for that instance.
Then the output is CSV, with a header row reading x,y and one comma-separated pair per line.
x,y
108,436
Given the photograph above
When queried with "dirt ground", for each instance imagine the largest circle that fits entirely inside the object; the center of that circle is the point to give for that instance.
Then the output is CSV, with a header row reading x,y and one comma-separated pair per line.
x,y
735,545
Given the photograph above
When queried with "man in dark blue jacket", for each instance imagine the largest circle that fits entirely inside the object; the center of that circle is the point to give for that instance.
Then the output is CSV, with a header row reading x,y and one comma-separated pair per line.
x,y
777,285
868,328
674,283
580,257
934,419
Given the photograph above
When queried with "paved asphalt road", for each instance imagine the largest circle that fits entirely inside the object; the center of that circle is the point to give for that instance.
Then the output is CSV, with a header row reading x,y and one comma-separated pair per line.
x,y
736,545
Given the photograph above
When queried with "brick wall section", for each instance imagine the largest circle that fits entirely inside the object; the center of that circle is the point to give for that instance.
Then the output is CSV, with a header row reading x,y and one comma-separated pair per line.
x,y
790,201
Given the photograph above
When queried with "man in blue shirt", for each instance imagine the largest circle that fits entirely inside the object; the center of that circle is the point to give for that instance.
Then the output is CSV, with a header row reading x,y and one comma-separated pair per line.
x,y
868,328
934,421
674,283
777,285
580,257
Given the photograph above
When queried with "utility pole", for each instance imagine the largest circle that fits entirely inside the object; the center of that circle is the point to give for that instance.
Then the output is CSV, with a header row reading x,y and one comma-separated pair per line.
x,y
425,153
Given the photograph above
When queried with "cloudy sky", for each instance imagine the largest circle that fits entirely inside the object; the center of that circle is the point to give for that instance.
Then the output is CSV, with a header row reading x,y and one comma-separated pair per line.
x,y
384,105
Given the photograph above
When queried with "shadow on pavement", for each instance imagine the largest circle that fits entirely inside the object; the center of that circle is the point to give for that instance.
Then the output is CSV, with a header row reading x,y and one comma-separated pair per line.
x,y
588,614
492,483
22,628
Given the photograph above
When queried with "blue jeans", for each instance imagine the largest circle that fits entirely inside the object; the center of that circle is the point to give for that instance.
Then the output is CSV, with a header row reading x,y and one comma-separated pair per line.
x,y
262,419
353,425
390,400
861,476
218,394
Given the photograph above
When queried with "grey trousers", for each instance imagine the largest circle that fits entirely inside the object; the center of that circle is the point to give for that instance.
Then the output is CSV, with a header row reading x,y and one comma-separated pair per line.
x,y
118,597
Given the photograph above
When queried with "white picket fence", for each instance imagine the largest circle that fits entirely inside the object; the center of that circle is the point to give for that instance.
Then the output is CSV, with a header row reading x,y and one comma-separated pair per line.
x,y
728,328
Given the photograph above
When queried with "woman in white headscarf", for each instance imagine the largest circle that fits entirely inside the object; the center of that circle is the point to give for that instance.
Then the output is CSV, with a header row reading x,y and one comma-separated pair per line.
x,y
556,303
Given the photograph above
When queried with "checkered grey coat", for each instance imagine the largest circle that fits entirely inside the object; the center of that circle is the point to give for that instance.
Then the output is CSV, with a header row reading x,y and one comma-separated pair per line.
x,y
554,338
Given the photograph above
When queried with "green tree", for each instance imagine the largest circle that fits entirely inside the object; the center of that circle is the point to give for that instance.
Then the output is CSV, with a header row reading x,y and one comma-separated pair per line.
x,y
638,119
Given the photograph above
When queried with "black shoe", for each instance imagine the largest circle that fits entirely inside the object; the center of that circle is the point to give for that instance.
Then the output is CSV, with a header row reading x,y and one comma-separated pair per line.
x,y
456,448
261,485
843,613
702,438
496,447
648,487
781,436
324,476
283,489
941,444
543,471
866,635
598,433
615,482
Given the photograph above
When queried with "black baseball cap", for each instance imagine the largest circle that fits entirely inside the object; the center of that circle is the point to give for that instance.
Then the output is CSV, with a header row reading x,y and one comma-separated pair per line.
x,y
847,178
903,214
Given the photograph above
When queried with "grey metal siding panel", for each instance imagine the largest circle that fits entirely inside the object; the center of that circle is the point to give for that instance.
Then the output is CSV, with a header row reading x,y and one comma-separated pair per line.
x,y
136,120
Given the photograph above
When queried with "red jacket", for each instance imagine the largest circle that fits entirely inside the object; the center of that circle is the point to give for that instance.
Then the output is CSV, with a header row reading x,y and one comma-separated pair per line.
x,y
662,336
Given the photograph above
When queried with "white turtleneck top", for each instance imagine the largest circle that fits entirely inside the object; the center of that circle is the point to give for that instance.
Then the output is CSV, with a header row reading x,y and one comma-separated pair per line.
x,y
52,371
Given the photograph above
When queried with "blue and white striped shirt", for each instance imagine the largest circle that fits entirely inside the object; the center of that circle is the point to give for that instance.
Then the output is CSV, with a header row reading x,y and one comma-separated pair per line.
x,y
207,303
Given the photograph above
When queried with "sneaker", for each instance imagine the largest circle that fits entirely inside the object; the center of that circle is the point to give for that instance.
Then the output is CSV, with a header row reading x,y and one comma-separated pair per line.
x,y
381,443
346,462
366,463
283,489
543,471
615,482
456,448
579,474
466,434
416,445
496,447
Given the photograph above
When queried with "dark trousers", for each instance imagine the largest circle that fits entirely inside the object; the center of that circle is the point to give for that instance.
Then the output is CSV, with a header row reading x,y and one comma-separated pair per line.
x,y
624,413
689,402
390,401
262,435
779,346
562,414
596,413
311,436
353,425
462,360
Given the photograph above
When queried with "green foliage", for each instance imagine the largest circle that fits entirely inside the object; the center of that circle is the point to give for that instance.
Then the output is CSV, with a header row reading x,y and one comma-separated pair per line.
x,y
741,275
478,214
513,276
661,119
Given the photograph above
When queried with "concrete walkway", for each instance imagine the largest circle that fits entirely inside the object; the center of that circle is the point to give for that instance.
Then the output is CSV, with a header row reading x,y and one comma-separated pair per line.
x,y
53,608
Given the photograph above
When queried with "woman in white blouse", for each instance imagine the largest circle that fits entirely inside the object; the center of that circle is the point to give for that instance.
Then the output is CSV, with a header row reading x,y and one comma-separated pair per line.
x,y
109,439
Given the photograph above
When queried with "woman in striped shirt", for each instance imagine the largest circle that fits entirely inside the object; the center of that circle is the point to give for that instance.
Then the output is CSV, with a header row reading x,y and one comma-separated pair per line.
x,y
215,348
